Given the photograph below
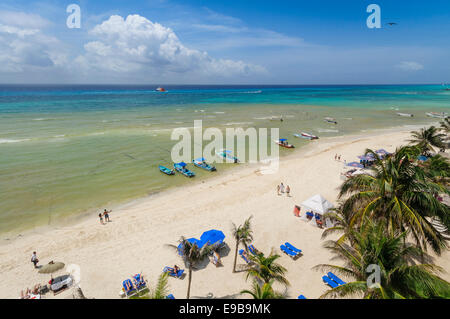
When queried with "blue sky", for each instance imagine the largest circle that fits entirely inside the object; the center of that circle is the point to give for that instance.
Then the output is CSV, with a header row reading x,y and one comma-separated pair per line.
x,y
230,42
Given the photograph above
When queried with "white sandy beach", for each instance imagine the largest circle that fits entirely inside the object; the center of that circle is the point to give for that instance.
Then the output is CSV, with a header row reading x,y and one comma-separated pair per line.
x,y
135,240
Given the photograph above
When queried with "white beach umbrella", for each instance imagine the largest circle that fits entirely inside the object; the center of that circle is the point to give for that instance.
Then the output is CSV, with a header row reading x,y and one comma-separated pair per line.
x,y
318,204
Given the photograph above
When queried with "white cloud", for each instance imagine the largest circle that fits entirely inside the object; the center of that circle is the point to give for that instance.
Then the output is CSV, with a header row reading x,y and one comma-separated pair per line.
x,y
410,66
17,31
136,44
23,19
23,47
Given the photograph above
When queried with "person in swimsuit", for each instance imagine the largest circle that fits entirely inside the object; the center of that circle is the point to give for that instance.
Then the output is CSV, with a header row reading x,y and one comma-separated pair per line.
x,y
128,286
106,214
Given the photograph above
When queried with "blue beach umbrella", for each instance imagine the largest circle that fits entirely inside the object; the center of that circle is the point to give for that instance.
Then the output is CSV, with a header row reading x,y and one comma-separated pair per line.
x,y
212,237
368,157
382,151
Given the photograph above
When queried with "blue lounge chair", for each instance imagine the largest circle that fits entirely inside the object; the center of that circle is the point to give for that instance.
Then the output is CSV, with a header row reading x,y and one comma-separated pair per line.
x,y
241,252
301,297
171,272
338,280
329,282
170,296
129,291
252,249
291,247
287,251
139,282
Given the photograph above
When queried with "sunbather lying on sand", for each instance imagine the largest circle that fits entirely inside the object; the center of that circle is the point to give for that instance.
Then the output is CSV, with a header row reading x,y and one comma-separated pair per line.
x,y
128,285
216,259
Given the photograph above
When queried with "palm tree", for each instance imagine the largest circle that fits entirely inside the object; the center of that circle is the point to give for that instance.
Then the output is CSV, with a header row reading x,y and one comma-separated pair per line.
x,y
160,291
242,234
399,192
266,269
437,168
401,276
445,125
192,255
341,223
428,138
263,292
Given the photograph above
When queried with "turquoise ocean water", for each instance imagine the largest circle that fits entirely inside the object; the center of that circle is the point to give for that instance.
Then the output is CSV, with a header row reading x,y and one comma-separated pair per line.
x,y
68,150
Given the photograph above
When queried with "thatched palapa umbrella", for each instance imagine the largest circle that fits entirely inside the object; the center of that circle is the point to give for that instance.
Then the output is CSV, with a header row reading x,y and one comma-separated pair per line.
x,y
51,267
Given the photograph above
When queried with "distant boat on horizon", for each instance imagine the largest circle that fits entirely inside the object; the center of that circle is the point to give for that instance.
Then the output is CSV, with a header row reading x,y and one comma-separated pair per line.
x,y
160,89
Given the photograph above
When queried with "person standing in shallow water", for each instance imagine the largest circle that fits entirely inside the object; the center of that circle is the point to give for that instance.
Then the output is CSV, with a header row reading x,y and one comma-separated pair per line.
x,y
288,191
101,218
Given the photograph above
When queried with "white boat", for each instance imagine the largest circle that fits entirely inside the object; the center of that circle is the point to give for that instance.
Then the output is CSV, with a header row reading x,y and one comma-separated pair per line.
x,y
330,120
405,114
307,136
160,89
442,115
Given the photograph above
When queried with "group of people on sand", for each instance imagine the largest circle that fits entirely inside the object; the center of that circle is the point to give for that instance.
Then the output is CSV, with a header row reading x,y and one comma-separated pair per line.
x,y
338,158
105,215
31,293
281,189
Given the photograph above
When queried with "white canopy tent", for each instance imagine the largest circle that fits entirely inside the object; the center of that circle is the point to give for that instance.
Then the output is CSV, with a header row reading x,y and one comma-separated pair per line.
x,y
318,204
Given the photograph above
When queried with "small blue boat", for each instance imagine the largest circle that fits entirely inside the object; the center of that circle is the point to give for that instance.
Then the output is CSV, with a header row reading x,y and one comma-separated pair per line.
x,y
167,171
227,155
181,167
200,162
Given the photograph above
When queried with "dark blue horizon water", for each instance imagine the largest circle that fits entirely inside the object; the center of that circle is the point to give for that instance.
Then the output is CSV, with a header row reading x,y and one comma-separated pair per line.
x,y
75,98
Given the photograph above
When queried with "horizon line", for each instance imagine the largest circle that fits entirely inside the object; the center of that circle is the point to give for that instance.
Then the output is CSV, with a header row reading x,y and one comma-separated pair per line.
x,y
223,84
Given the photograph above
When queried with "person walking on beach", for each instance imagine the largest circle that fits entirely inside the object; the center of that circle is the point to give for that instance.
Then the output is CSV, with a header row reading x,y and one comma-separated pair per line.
x,y
335,157
339,158
106,215
282,188
278,189
288,190
101,218
34,259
